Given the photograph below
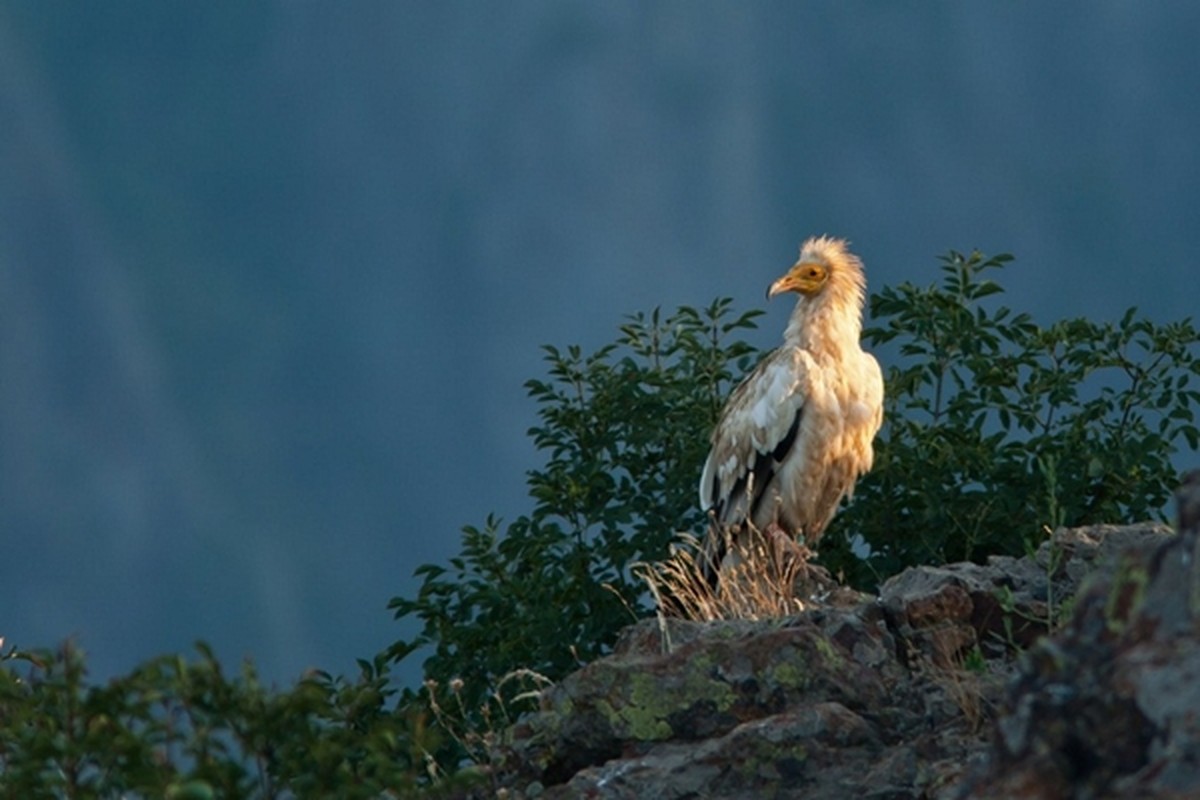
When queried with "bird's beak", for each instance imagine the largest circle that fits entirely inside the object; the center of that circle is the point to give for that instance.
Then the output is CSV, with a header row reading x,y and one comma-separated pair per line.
x,y
784,284
803,278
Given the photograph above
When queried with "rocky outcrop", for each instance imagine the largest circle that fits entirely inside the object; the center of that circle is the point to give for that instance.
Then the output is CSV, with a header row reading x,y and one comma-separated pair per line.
x,y
730,709
945,686
1110,706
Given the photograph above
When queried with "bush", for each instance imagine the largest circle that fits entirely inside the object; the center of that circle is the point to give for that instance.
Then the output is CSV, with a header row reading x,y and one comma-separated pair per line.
x,y
184,729
624,431
994,428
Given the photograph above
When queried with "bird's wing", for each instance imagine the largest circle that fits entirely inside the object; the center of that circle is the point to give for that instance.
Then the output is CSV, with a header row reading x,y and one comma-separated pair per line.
x,y
756,432
866,411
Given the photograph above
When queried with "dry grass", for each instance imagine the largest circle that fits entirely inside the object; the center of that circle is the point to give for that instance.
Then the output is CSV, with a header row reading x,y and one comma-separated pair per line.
x,y
758,578
964,687
965,678
481,736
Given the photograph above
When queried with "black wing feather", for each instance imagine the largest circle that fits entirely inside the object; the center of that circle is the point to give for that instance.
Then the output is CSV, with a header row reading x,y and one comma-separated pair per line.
x,y
759,477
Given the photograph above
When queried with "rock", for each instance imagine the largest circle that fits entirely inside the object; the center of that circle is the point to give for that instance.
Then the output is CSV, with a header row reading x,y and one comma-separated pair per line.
x,y
715,679
1110,706
762,755
918,693
1008,603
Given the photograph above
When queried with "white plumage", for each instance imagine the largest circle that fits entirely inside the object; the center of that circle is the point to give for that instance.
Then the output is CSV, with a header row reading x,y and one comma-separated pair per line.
x,y
796,433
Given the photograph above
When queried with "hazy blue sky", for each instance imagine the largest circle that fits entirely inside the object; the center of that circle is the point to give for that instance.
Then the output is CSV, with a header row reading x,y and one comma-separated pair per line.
x,y
272,274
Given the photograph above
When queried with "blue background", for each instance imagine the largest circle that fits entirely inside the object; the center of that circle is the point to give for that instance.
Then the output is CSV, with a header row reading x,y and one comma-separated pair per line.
x,y
272,274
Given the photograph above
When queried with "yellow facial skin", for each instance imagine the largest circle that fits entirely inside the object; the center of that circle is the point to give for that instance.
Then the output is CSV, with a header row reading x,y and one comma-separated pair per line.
x,y
806,278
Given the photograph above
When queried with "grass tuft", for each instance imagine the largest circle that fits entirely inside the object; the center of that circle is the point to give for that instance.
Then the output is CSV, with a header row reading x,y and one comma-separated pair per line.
x,y
759,577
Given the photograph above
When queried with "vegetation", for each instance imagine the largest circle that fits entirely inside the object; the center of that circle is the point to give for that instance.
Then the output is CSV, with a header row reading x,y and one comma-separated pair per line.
x,y
995,428
184,729
624,430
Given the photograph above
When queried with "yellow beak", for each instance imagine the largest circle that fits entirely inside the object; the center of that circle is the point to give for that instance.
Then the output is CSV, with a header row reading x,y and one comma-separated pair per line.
x,y
801,278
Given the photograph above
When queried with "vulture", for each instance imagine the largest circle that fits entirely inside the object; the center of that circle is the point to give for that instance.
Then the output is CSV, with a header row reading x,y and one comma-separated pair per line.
x,y
796,434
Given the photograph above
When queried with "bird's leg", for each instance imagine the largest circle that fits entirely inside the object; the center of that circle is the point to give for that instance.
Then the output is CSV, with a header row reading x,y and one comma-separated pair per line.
x,y
793,560
785,547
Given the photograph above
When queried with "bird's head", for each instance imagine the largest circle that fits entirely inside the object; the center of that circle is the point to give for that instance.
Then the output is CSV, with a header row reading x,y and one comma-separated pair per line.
x,y
823,262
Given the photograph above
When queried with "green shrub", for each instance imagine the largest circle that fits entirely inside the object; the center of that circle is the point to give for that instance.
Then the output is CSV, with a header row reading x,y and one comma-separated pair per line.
x,y
624,431
994,428
184,729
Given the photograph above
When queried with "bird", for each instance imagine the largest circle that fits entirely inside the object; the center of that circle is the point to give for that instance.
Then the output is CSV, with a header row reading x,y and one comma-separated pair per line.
x,y
797,432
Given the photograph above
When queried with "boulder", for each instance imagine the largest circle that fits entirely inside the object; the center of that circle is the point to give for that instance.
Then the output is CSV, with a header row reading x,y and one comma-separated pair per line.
x,y
1110,706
